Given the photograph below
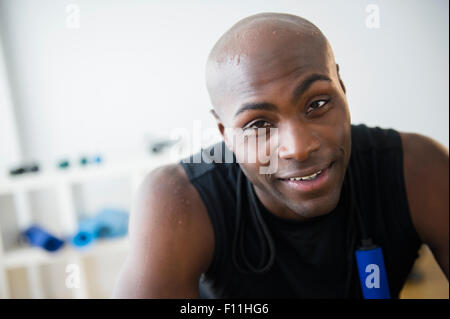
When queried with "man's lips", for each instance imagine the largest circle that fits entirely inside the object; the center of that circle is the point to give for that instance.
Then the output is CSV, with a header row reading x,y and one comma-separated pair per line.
x,y
304,172
317,182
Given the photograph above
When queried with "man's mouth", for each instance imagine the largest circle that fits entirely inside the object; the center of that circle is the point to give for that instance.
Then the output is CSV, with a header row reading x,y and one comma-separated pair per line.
x,y
306,178
309,182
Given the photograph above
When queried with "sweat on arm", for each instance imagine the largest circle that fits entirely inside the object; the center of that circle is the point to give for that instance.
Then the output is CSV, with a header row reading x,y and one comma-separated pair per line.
x,y
171,239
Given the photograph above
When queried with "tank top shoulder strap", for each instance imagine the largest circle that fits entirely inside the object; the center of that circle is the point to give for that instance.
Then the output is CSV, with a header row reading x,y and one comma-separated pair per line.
x,y
215,179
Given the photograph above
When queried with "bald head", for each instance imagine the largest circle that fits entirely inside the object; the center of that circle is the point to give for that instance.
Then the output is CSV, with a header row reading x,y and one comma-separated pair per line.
x,y
260,48
245,36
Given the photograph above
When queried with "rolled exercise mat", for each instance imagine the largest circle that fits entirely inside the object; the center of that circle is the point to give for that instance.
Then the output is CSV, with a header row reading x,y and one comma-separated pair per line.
x,y
112,223
36,236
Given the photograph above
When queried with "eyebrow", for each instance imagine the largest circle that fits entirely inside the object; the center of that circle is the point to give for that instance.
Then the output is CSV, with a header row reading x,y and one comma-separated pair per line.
x,y
256,106
306,84
299,90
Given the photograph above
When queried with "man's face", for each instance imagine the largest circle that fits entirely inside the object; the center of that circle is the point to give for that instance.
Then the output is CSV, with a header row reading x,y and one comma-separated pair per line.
x,y
295,89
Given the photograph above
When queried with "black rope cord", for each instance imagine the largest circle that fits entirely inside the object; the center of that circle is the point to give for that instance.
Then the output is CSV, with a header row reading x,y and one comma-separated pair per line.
x,y
354,216
263,233
239,255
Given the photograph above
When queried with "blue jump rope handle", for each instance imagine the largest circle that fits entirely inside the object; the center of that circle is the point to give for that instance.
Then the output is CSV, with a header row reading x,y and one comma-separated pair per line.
x,y
372,273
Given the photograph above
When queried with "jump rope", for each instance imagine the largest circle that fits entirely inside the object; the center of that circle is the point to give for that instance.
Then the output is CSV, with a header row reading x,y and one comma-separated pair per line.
x,y
369,257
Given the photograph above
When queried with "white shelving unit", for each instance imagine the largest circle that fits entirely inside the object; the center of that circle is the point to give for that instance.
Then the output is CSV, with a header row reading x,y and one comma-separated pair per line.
x,y
22,265
61,182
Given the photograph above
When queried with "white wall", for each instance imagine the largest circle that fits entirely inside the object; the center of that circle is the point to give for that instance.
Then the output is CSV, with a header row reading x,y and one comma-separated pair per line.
x,y
137,67
9,134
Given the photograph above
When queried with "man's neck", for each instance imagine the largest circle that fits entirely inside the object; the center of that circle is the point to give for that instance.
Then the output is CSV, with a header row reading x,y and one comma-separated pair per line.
x,y
274,207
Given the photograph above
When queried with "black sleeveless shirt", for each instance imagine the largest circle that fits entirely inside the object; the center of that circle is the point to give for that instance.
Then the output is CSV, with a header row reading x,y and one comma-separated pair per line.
x,y
313,258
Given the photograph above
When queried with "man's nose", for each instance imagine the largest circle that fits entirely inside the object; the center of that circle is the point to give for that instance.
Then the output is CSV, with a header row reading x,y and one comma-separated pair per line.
x,y
297,141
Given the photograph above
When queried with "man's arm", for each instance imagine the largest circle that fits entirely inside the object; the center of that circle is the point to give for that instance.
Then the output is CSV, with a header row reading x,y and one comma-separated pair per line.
x,y
171,239
426,173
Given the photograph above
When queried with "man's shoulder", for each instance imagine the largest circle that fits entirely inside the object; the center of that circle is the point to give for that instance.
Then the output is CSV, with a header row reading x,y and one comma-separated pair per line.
x,y
426,169
168,198
167,205
425,161
171,240
418,145
169,184
170,172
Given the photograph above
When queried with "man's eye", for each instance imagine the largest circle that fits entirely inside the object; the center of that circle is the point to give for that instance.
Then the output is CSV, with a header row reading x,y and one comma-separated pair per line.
x,y
259,124
317,104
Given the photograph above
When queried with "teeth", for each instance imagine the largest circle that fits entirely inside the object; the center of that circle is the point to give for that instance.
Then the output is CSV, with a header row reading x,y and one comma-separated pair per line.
x,y
305,178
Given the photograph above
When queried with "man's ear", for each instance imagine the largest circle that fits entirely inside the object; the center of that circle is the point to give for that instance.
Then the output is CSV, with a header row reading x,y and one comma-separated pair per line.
x,y
220,126
340,80
213,112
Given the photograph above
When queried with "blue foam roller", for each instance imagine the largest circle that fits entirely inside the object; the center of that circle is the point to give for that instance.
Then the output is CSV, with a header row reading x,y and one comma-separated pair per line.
x,y
37,236
86,234
112,223
372,273
108,223
82,238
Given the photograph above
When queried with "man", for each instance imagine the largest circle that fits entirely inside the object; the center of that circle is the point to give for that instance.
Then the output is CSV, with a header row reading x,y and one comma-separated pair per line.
x,y
291,232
